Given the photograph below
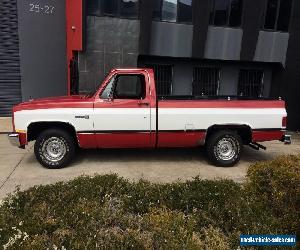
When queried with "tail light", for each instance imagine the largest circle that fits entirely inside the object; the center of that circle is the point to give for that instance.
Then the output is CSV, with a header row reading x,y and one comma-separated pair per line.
x,y
284,122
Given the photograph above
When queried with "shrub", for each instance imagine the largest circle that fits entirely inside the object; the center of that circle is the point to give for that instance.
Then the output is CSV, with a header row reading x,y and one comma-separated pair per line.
x,y
112,213
275,186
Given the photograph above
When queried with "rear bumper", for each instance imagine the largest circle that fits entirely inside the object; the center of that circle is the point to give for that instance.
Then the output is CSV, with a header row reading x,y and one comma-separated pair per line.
x,y
287,139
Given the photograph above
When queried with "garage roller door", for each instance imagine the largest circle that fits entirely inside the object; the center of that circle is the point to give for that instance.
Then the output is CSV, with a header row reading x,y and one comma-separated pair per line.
x,y
10,80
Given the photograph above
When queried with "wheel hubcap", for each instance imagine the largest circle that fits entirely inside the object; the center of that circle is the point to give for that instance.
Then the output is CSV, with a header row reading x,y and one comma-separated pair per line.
x,y
54,149
226,149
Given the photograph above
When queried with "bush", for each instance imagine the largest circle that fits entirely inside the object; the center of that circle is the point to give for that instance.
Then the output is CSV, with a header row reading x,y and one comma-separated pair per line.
x,y
275,186
112,213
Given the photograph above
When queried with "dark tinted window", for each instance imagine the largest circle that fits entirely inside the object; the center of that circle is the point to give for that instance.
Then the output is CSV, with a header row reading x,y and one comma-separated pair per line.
x,y
184,14
235,13
277,15
157,9
93,7
173,10
129,87
206,81
221,10
116,8
169,10
129,8
110,7
163,79
226,13
284,15
271,14
251,83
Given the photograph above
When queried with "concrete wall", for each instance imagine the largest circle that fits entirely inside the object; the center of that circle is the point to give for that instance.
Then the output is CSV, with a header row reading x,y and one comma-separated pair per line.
x,y
111,43
169,39
42,34
223,43
272,47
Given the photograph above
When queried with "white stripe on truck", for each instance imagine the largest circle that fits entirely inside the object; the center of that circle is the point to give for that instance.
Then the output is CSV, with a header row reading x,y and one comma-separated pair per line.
x,y
139,118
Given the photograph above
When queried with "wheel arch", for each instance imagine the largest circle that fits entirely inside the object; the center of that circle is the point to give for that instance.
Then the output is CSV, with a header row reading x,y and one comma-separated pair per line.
x,y
34,129
243,130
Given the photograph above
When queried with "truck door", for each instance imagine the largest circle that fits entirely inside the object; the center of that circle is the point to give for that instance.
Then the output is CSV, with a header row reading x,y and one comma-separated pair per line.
x,y
122,112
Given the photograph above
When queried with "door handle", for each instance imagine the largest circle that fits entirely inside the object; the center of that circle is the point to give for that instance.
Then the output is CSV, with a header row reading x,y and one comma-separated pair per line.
x,y
143,103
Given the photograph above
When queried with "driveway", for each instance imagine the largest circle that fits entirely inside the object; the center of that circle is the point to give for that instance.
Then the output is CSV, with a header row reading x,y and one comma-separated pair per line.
x,y
20,168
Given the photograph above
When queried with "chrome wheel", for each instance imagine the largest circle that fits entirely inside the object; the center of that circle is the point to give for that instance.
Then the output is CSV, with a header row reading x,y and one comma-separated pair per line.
x,y
54,149
226,149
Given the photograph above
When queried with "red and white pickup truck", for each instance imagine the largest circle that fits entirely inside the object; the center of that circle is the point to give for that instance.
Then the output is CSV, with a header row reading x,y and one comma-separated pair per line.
x,y
125,112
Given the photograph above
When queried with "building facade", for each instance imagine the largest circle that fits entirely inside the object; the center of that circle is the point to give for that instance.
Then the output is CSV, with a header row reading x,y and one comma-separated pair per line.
x,y
208,48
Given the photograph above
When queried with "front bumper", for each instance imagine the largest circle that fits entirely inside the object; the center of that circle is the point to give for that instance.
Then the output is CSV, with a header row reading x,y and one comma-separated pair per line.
x,y
14,139
18,139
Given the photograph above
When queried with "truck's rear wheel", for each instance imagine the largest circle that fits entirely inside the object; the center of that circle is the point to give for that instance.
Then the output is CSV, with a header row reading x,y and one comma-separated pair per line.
x,y
224,148
54,148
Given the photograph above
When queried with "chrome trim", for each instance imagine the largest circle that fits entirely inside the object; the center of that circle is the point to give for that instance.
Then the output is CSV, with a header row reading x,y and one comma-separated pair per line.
x,y
14,139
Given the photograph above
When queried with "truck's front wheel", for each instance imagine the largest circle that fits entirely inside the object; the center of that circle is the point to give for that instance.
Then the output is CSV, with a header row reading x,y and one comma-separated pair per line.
x,y
224,148
54,148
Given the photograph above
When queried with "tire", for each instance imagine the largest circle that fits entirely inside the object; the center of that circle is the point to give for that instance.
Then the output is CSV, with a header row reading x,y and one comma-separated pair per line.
x,y
224,148
55,148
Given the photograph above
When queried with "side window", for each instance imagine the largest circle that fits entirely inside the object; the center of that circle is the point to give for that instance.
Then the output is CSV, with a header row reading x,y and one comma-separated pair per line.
x,y
179,11
129,8
125,87
277,15
130,87
115,8
226,13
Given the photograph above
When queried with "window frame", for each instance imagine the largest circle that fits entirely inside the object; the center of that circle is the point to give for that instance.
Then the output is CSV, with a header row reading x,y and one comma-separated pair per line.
x,y
218,81
159,19
212,9
101,13
262,83
152,65
277,16
114,78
